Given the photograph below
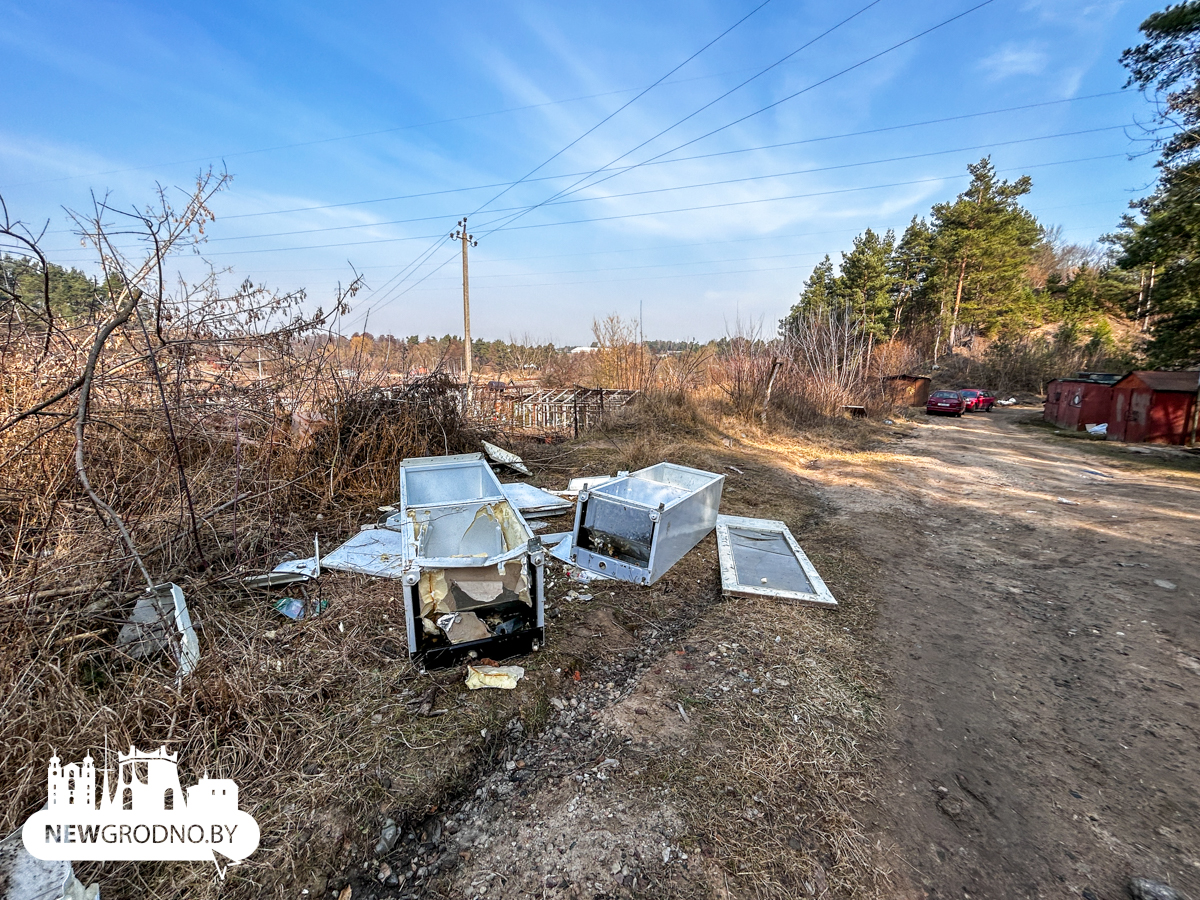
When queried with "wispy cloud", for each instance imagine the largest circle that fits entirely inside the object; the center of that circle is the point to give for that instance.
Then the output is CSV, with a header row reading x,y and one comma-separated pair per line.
x,y
1011,60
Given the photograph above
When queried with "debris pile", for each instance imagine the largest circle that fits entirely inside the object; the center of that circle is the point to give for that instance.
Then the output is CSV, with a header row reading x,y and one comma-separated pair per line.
x,y
472,570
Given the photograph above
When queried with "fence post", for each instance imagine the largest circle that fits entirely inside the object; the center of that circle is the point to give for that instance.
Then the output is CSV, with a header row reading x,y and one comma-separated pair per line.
x,y
575,411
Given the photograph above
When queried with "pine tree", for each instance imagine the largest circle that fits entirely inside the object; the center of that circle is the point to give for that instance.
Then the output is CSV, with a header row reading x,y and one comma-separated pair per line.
x,y
983,242
1163,247
820,293
865,283
910,269
73,295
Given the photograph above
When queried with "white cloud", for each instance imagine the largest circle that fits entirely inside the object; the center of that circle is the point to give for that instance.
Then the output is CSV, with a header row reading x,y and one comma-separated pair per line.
x,y
1012,60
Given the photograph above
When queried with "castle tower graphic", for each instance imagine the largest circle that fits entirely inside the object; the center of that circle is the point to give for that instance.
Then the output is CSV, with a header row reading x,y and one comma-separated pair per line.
x,y
147,782
72,785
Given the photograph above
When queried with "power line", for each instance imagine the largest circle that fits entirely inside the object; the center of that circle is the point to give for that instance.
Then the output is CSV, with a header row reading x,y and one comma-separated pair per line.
x,y
696,112
698,262
770,106
607,118
871,162
395,296
362,134
660,162
804,196
766,237
761,237
830,137
696,208
629,103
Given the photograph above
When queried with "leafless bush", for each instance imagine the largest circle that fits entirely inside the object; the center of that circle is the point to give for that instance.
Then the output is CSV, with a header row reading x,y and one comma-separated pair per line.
x,y
621,360
747,368
827,349
684,372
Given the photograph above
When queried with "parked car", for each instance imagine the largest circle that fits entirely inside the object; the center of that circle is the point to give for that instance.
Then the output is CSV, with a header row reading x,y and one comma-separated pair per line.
x,y
946,403
977,400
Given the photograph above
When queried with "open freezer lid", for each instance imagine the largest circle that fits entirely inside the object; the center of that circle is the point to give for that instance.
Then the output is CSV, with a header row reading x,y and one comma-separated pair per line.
x,y
760,558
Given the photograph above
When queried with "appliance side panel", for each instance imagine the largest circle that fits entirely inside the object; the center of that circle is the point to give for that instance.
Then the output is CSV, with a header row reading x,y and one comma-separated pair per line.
x,y
685,525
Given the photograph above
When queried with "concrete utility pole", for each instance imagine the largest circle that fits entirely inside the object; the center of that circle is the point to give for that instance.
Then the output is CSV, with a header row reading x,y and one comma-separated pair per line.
x,y
467,240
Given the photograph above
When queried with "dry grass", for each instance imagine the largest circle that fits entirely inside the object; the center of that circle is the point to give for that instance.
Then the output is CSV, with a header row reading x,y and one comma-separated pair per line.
x,y
772,782
283,708
319,721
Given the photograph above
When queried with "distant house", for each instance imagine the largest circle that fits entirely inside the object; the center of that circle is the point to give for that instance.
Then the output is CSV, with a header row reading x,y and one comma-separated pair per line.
x,y
1153,406
585,349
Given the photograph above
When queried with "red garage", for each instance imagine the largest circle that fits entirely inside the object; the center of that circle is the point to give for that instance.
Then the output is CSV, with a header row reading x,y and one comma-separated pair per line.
x,y
1072,403
1153,406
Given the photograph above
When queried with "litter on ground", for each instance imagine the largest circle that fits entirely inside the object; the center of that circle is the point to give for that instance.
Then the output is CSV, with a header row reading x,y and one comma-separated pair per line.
x,y
505,458
534,502
295,608
503,677
470,566
160,621
291,571
636,527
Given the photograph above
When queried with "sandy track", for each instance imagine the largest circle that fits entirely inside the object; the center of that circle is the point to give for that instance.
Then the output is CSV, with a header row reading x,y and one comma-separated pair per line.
x,y
1043,691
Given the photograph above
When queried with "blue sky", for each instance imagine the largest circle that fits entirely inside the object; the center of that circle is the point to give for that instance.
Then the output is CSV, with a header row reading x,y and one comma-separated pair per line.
x,y
357,134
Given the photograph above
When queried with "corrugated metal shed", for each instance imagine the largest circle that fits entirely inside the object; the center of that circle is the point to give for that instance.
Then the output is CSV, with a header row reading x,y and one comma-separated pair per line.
x,y
1072,403
1182,382
1153,406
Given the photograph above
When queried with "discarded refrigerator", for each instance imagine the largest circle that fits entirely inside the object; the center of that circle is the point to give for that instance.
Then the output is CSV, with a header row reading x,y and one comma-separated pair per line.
x,y
636,527
471,568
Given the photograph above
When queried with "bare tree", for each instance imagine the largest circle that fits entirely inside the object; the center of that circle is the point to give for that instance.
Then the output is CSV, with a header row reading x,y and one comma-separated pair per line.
x,y
828,347
146,363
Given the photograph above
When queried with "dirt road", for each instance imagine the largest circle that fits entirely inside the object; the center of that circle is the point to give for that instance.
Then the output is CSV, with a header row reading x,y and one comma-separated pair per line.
x,y
1040,629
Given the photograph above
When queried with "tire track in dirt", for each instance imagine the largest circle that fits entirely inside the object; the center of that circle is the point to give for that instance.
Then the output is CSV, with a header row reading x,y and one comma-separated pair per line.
x,y
1045,725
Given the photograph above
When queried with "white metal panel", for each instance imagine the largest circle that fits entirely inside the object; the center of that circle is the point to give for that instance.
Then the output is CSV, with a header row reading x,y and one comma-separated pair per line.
x,y
533,501
760,558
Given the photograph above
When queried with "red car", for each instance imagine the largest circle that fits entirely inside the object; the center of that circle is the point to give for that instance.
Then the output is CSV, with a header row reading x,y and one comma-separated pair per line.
x,y
946,403
977,400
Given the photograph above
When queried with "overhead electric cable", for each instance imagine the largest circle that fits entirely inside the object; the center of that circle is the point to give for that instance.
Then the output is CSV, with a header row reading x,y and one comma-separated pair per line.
x,y
734,89
727,93
957,175
871,162
661,162
803,196
626,105
607,118
776,103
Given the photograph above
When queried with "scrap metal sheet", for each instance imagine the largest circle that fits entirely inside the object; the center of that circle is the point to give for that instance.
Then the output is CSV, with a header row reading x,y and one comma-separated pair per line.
x,y
760,558
533,502
375,551
147,631
505,458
